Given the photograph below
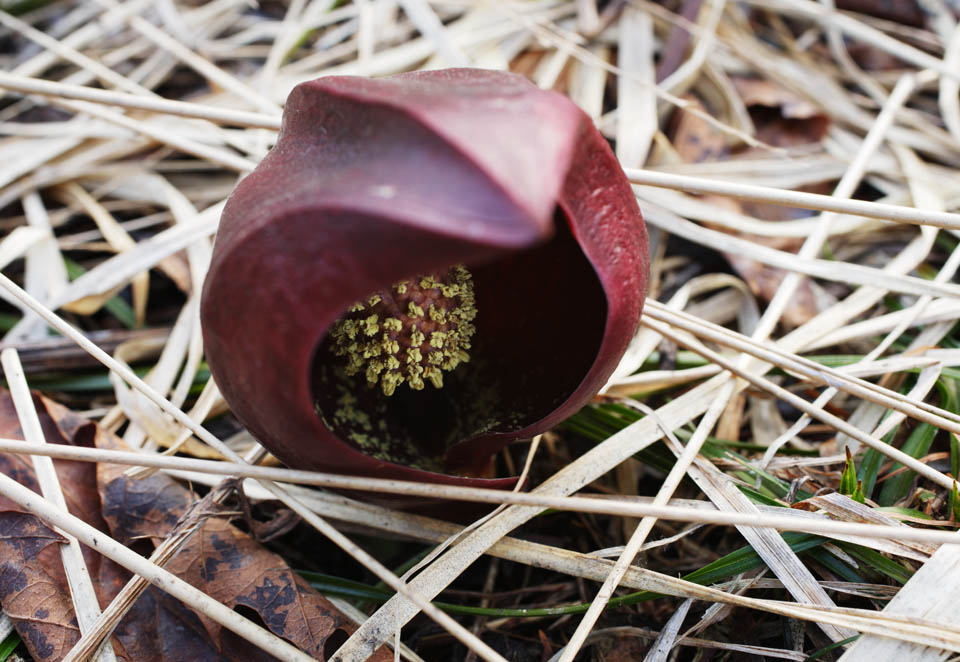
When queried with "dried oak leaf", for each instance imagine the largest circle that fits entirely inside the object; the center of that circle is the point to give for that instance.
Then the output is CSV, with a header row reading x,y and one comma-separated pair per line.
x,y
219,559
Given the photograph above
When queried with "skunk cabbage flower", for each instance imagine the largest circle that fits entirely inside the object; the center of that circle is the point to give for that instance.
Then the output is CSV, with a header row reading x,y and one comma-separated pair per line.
x,y
424,268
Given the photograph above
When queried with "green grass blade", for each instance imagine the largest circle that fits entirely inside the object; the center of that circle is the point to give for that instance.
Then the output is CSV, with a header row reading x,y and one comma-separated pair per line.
x,y
876,561
732,564
8,321
954,456
836,565
917,445
8,645
870,465
746,558
848,479
832,647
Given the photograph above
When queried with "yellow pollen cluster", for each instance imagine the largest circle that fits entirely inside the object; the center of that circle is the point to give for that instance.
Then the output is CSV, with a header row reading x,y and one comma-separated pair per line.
x,y
410,333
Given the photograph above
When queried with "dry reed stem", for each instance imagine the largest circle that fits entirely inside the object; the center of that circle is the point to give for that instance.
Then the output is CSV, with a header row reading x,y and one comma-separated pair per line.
x,y
843,272
204,67
641,633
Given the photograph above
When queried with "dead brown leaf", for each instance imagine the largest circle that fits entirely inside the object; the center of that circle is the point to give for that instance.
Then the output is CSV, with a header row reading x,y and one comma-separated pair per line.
x,y
625,648
782,118
764,92
696,141
219,559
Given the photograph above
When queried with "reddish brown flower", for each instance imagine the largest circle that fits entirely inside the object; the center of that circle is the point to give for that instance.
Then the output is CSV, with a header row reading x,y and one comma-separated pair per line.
x,y
424,268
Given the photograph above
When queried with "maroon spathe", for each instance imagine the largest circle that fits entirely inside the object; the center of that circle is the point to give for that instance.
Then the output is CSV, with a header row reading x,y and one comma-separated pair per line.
x,y
376,180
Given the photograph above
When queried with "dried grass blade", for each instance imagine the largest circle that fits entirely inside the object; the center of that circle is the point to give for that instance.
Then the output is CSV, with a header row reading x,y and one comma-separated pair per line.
x,y
859,31
930,593
70,54
949,98
846,378
45,275
636,108
118,270
39,86
842,272
204,67
779,518
665,643
800,199
685,458
428,23
19,157
846,509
